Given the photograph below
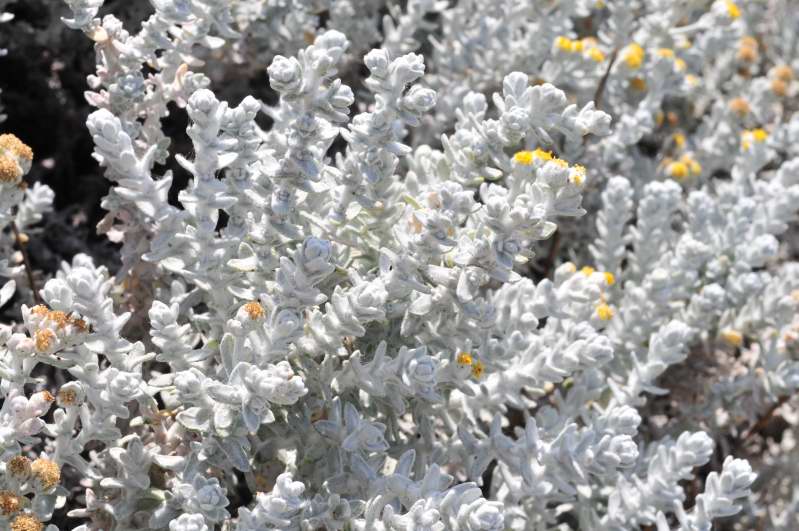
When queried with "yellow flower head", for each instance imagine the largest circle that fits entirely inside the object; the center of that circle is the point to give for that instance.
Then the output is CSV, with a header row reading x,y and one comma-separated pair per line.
x,y
633,56
604,312
679,140
610,278
595,54
732,10
755,135
563,43
587,271
677,170
526,158
732,337
694,168
464,359
668,53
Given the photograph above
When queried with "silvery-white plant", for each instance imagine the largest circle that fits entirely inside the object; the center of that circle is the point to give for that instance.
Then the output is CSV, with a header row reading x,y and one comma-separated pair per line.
x,y
491,266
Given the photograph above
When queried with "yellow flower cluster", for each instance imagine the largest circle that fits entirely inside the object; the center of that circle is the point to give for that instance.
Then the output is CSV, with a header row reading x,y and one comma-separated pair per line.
x,y
577,172
633,56
757,136
586,46
465,359
684,167
603,310
733,10
668,53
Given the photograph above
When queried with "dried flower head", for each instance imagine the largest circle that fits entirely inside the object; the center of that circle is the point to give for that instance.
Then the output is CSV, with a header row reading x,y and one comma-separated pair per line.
x,y
19,467
9,170
46,472
44,339
748,50
10,503
13,144
739,106
254,310
26,522
783,73
604,312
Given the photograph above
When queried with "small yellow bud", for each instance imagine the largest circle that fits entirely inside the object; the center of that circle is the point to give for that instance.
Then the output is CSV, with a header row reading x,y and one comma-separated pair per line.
x,y
563,43
587,271
577,175
525,158
732,10
677,170
604,312
668,53
679,140
633,56
595,54
464,359
610,278
732,337
760,135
